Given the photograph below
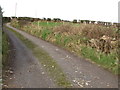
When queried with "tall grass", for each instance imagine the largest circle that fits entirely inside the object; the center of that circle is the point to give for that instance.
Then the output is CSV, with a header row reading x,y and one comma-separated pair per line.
x,y
0,49
107,61
45,33
5,48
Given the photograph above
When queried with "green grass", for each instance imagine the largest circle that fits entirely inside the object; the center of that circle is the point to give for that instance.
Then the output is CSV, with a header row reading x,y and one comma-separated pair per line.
x,y
0,57
4,54
45,33
0,49
47,24
52,67
107,61
5,48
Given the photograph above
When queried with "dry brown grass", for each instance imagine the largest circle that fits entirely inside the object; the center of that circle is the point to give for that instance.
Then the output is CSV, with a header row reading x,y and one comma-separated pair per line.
x,y
90,31
63,28
94,31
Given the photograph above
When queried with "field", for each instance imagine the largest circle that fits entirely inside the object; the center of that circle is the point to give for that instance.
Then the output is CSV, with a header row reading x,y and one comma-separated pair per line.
x,y
96,43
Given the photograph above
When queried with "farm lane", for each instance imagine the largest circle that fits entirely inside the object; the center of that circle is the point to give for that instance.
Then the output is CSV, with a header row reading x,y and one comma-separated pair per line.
x,y
27,71
80,72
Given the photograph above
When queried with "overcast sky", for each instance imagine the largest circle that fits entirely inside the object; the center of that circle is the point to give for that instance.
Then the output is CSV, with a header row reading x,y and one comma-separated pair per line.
x,y
99,10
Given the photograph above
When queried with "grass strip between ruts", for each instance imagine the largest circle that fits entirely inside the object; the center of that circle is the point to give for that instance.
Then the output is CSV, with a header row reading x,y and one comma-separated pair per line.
x,y
52,67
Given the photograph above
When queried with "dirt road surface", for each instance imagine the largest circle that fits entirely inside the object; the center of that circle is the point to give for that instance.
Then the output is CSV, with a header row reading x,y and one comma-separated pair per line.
x,y
27,71
81,73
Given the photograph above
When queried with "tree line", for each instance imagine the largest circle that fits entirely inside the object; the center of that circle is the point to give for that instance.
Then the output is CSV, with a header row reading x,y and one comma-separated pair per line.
x,y
8,19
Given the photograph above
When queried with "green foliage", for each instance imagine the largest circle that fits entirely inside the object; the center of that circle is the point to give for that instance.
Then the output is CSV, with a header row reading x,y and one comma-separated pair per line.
x,y
58,38
66,40
1,49
5,47
15,23
107,61
45,33
88,53
83,39
75,21
48,19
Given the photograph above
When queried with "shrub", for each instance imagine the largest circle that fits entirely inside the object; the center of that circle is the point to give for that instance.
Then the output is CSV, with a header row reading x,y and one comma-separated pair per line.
x,y
48,19
74,21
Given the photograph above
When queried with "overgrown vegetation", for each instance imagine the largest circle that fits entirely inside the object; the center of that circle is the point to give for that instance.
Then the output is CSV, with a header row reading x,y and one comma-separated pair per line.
x,y
107,61
5,48
53,69
96,42
0,58
0,49
5,61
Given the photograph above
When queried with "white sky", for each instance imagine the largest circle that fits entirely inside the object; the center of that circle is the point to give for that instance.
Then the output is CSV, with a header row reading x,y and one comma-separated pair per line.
x,y
99,10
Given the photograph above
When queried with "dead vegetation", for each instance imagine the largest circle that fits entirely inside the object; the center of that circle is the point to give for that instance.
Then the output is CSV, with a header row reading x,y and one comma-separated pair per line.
x,y
104,39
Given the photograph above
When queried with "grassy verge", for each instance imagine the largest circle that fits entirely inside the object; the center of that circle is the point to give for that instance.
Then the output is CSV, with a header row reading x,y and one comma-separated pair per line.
x,y
5,48
75,39
107,61
4,55
0,49
53,69
0,57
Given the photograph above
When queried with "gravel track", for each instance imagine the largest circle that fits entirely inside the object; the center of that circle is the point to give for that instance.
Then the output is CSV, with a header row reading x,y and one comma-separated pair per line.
x,y
81,73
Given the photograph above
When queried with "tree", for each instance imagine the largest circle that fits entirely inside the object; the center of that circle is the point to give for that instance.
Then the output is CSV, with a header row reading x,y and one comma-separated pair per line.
x,y
48,19
93,22
6,19
44,19
87,21
74,21
56,19
81,21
